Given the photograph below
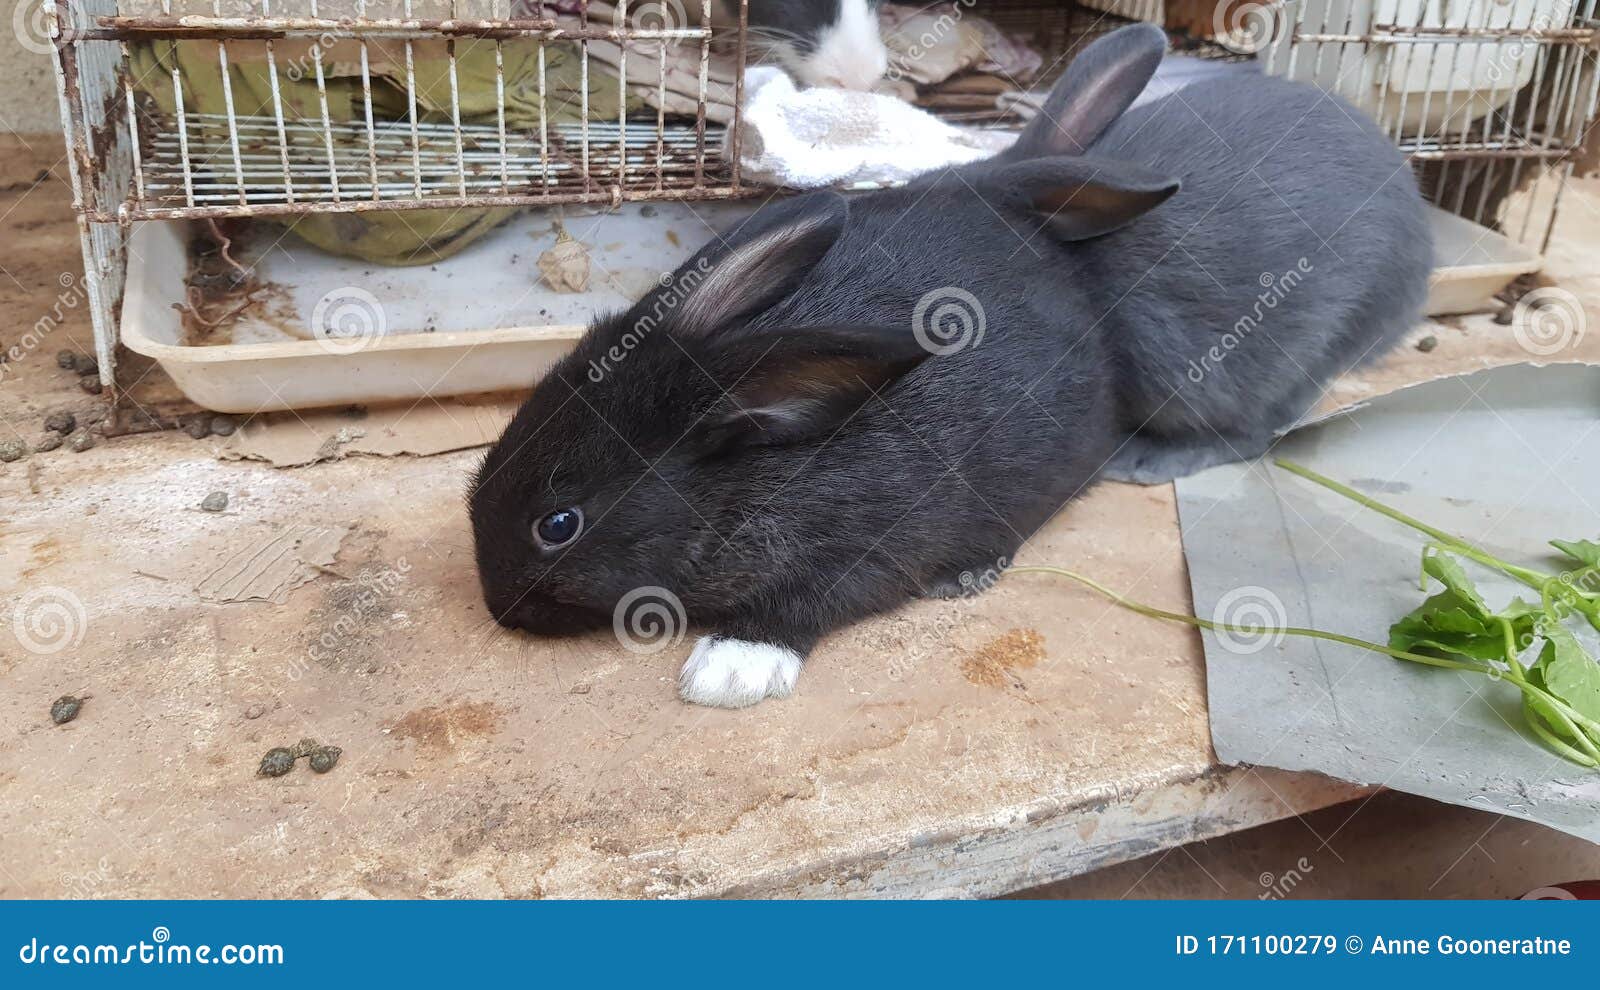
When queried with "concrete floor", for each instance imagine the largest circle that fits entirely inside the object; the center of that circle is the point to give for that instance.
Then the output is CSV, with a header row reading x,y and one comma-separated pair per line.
x,y
480,764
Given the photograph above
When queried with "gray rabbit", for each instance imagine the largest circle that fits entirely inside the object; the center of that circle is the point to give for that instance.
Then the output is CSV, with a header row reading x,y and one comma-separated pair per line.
x,y
846,405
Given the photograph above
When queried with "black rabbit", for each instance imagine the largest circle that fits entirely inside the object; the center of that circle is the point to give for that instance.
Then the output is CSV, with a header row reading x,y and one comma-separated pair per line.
x,y
845,406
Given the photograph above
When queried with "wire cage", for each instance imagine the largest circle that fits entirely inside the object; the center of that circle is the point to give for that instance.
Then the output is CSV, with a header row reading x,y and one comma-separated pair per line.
x,y
206,109
1490,99
212,109
229,113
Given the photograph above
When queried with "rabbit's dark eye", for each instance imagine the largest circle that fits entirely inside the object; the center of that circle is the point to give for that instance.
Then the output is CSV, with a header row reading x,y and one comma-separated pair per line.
x,y
559,528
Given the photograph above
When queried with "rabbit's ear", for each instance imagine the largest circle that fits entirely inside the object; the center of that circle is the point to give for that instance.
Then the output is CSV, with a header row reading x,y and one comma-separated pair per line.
x,y
732,281
786,386
1083,197
1102,82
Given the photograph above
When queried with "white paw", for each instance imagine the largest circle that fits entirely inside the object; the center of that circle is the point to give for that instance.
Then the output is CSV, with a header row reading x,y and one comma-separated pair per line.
x,y
735,673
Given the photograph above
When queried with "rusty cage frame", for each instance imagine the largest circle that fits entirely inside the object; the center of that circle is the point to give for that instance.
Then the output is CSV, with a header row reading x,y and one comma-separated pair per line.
x,y
1473,148
130,162
1482,152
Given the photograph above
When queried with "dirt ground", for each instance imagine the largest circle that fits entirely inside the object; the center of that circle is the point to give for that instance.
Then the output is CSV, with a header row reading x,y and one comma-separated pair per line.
x,y
951,748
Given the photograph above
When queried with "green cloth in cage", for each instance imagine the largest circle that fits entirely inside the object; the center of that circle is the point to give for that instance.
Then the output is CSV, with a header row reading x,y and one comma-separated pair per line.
x,y
408,237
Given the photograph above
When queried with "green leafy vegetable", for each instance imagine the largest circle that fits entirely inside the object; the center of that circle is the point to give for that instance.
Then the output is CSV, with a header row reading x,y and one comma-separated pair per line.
x,y
1586,552
1456,629
1446,624
1567,671
1443,567
1561,692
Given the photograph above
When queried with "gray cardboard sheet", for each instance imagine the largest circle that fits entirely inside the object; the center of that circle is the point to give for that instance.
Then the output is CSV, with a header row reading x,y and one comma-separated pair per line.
x,y
1508,458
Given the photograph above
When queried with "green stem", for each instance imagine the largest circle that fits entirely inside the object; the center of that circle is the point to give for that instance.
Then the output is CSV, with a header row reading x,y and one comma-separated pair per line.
x,y
1160,613
1563,709
1586,605
1572,720
1526,575
1536,723
1519,675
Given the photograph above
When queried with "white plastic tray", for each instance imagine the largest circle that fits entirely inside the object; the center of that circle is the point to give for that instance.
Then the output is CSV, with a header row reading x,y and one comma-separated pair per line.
x,y
1434,80
481,321
1471,264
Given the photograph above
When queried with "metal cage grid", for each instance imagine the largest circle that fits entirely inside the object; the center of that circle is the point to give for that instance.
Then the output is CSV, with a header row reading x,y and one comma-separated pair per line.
x,y
133,160
186,164
1491,100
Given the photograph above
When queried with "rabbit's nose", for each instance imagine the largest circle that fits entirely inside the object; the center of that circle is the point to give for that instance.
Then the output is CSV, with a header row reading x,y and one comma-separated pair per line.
x,y
542,616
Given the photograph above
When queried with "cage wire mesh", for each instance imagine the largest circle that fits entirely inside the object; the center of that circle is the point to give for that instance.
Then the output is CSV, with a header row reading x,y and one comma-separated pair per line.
x,y
210,109
253,108
179,109
1491,99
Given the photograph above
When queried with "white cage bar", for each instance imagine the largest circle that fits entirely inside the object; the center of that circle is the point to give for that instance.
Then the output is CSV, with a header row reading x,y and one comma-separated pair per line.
x,y
1490,99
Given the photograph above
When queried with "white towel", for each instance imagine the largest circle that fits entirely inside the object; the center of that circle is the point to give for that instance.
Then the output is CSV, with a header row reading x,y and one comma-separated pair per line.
x,y
808,139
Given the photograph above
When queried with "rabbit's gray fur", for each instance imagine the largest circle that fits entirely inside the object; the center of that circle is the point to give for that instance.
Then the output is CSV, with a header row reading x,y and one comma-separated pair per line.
x,y
783,453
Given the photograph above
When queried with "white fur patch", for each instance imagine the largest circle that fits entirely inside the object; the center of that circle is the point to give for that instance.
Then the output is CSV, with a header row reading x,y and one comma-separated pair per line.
x,y
735,673
850,53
